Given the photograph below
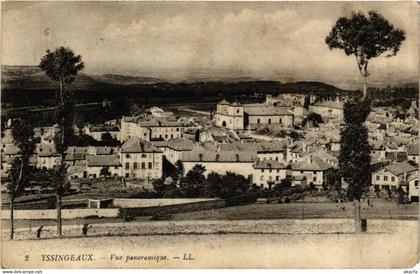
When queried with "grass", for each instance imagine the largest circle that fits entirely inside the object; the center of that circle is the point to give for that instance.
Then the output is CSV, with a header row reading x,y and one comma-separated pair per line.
x,y
303,211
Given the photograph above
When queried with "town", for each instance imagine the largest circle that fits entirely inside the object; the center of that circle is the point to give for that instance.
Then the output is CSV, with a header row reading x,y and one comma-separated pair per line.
x,y
287,140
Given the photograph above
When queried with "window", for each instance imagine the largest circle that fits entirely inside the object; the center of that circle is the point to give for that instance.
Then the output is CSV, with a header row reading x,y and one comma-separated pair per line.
x,y
269,120
392,179
127,165
277,178
378,177
416,183
280,120
127,156
277,158
150,165
177,129
143,165
262,170
258,121
127,175
314,179
385,178
135,166
143,156
262,178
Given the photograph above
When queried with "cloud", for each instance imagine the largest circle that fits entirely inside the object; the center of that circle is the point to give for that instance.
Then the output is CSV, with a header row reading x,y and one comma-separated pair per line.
x,y
169,40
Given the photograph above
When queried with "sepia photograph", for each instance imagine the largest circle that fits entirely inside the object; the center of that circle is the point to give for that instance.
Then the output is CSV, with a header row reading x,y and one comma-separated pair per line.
x,y
209,135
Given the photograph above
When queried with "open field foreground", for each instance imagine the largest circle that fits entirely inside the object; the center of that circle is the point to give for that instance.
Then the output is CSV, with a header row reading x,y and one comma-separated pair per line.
x,y
347,250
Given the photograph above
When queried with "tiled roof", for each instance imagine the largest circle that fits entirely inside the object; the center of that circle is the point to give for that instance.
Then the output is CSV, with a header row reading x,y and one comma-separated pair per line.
x,y
264,110
104,150
181,144
413,149
223,102
402,167
103,160
160,123
315,165
136,145
267,164
259,147
198,155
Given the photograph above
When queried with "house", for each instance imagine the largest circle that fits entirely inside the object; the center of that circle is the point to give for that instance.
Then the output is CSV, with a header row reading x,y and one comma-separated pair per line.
x,y
140,159
391,176
239,162
413,153
47,156
299,180
175,148
316,171
150,129
98,131
269,172
98,165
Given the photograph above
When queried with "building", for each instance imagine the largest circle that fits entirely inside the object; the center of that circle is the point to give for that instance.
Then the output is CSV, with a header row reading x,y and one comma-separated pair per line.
x,y
151,129
391,176
269,172
229,115
237,117
140,159
260,114
47,156
220,162
315,171
102,166
413,153
413,189
98,131
328,109
176,147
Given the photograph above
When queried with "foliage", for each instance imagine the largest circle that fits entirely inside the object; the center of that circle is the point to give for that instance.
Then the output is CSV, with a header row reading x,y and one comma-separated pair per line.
x,y
365,37
192,185
104,171
233,184
108,140
315,118
21,170
354,158
61,65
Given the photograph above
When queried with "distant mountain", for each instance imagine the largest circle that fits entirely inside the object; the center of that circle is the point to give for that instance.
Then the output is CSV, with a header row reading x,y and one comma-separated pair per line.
x,y
115,79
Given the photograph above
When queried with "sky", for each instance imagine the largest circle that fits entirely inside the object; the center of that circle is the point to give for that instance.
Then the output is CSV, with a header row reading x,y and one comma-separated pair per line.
x,y
179,41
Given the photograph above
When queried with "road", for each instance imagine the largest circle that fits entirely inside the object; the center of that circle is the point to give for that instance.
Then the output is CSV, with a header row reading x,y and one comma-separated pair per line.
x,y
397,250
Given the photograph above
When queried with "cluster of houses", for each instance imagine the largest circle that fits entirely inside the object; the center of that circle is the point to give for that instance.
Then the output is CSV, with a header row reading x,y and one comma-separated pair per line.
x,y
231,142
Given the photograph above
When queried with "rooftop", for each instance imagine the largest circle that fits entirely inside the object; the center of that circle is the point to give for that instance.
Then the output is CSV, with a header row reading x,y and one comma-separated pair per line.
x,y
103,160
136,145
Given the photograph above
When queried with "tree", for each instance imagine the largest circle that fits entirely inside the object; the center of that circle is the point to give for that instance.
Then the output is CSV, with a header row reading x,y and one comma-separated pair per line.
x,y
315,118
233,184
354,158
365,37
108,140
213,185
20,172
62,66
192,185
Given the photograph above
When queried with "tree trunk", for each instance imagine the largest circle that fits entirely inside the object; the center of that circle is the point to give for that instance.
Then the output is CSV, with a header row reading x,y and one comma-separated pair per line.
x,y
12,224
59,222
357,219
364,92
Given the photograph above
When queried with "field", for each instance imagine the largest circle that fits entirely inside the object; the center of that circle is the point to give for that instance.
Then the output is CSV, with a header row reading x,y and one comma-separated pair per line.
x,y
380,210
